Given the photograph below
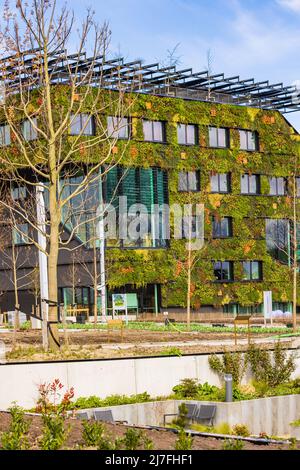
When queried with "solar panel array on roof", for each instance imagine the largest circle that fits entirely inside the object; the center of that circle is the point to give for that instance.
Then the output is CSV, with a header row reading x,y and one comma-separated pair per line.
x,y
135,76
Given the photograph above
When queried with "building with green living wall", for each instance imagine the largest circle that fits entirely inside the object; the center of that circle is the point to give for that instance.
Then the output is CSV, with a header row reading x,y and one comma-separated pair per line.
x,y
237,158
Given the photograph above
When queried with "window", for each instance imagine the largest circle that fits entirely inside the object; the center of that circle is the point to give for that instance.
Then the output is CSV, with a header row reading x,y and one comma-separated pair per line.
x,y
277,239
20,192
248,140
220,183
223,270
189,181
187,134
28,129
82,124
154,131
4,135
191,227
298,187
252,270
118,128
222,228
250,184
218,137
277,186
146,190
20,234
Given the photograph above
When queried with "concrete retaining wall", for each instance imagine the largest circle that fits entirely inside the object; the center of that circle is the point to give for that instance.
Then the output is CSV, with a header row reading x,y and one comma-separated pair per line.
x,y
157,376
271,415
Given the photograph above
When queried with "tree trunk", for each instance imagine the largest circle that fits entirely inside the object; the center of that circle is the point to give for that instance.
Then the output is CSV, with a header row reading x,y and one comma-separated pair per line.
x,y
16,321
188,300
54,216
295,261
95,281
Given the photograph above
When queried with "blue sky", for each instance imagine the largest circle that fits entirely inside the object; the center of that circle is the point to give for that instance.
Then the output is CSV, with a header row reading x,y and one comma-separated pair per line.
x,y
250,38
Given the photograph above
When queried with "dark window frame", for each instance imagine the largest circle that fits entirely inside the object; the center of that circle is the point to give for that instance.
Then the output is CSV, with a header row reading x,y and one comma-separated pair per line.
x,y
256,140
188,190
163,128
32,131
5,132
228,179
128,127
215,221
260,270
280,241
231,271
285,182
196,134
19,239
84,134
258,185
227,137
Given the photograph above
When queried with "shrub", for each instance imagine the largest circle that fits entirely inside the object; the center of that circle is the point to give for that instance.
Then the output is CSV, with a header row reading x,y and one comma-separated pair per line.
x,y
271,368
112,400
188,388
54,434
92,432
233,444
240,430
207,390
132,439
181,420
16,437
184,441
172,351
228,363
53,404
222,428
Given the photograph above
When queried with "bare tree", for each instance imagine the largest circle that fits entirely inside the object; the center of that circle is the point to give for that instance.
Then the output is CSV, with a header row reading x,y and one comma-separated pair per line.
x,y
37,68
188,258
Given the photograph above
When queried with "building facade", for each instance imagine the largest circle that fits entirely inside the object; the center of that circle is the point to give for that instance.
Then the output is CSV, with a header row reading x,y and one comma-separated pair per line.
x,y
237,161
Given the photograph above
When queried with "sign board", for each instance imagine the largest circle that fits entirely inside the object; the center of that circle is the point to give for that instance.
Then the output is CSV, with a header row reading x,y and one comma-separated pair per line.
x,y
268,305
119,302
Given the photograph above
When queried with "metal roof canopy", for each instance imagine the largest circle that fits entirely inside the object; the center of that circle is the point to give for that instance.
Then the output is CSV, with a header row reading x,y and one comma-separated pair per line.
x,y
134,76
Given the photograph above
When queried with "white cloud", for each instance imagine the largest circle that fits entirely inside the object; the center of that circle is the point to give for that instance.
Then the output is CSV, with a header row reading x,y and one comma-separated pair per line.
x,y
293,5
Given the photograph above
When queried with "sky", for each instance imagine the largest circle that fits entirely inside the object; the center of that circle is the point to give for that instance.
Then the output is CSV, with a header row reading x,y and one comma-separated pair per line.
x,y
250,38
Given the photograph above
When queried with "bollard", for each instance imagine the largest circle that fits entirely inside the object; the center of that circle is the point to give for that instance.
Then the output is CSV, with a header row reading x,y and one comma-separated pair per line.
x,y
228,387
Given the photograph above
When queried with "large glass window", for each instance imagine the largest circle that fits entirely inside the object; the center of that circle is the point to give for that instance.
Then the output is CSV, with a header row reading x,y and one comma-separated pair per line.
x,y
118,127
220,183
154,131
4,135
29,129
222,228
223,270
250,184
146,192
277,239
189,181
218,137
277,186
20,234
248,140
187,134
252,270
82,124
